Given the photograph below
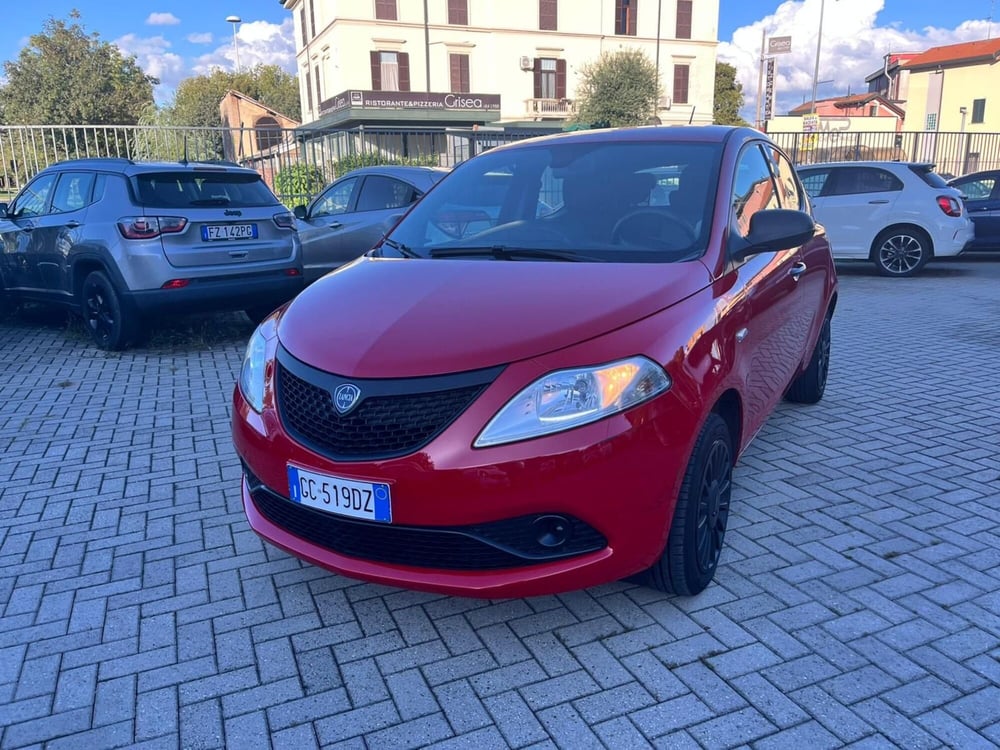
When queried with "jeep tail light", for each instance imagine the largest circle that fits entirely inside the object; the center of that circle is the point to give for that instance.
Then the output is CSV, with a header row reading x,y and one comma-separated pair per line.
x,y
951,206
285,220
147,227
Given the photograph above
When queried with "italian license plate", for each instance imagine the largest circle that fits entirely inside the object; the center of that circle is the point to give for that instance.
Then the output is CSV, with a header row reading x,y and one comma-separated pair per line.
x,y
345,497
211,232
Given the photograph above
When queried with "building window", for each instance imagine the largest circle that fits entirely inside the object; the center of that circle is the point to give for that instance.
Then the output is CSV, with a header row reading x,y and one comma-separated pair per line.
x,y
319,90
978,111
390,71
625,11
873,110
459,65
268,133
309,91
683,19
302,25
682,76
312,19
550,78
548,15
385,10
458,12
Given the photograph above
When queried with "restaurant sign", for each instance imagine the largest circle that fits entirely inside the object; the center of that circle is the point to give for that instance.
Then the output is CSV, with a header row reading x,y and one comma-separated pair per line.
x,y
410,100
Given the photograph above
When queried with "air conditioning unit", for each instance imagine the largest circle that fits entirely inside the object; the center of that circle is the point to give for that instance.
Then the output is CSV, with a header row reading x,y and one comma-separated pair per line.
x,y
527,63
665,102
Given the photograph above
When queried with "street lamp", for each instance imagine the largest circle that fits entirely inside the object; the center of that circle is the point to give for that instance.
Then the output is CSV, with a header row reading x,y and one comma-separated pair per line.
x,y
819,39
235,21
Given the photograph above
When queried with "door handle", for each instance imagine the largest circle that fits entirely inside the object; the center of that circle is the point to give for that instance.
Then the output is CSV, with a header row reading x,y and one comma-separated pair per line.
x,y
741,334
878,201
797,270
72,224
335,225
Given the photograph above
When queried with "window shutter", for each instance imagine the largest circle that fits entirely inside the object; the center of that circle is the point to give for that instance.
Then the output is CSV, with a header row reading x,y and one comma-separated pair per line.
x,y
466,80
385,10
548,15
632,13
681,76
560,79
538,77
309,91
458,12
403,59
683,19
376,70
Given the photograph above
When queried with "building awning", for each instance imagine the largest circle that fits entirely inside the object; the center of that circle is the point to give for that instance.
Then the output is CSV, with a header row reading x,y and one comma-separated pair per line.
x,y
356,107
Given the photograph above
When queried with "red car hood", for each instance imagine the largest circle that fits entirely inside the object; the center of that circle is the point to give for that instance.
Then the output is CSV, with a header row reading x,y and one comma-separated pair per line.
x,y
407,318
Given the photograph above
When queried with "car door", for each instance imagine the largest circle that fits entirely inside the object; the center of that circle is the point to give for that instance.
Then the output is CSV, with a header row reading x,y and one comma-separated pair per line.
x,y
982,201
58,229
319,229
855,204
772,342
21,248
381,199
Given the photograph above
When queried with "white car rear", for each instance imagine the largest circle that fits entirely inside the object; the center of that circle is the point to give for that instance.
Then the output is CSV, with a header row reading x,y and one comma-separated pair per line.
x,y
898,215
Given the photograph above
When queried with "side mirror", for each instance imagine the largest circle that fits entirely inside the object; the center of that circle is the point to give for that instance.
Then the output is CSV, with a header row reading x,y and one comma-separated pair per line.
x,y
3,210
300,212
775,229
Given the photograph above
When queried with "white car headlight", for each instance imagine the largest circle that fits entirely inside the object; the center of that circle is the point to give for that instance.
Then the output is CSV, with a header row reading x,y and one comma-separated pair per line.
x,y
569,398
252,372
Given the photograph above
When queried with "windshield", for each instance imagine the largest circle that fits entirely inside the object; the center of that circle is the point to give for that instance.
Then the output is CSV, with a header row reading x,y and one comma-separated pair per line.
x,y
646,202
202,189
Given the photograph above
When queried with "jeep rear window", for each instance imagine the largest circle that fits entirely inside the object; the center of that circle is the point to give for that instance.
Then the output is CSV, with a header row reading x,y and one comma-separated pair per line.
x,y
926,173
202,189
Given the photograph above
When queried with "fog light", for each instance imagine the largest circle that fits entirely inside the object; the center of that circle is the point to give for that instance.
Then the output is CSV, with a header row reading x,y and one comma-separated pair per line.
x,y
551,531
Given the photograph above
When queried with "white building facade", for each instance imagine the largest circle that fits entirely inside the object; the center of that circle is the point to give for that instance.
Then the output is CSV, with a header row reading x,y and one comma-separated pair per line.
x,y
496,62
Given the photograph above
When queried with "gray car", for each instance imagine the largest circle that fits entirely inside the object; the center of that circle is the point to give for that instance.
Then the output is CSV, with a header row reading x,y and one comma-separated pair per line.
x,y
350,216
121,241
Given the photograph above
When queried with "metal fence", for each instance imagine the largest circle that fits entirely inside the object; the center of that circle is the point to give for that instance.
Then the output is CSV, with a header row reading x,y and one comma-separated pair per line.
x,y
296,164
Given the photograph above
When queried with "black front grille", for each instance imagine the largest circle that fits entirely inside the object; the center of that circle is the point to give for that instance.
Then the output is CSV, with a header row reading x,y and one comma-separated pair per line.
x,y
509,543
393,418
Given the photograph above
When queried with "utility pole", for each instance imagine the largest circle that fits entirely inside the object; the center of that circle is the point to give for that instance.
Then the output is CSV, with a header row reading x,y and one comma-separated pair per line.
x,y
427,46
819,39
760,78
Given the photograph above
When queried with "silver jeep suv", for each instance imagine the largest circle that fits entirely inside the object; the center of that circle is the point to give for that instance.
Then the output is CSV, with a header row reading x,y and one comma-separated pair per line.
x,y
121,241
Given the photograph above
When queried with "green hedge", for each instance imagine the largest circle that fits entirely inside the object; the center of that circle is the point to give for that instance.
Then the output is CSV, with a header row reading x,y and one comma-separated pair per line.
x,y
298,181
372,159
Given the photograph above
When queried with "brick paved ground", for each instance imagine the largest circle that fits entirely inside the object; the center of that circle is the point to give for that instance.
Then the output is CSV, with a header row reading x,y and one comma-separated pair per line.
x,y
858,603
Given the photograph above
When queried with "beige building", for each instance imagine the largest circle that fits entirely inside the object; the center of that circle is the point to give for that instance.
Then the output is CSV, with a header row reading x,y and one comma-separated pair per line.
x,y
494,62
955,88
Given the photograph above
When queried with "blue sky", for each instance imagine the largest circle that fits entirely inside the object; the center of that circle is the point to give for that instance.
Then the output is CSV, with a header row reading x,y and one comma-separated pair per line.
x,y
173,39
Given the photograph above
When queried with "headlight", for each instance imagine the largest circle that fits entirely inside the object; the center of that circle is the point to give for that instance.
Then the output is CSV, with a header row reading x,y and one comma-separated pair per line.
x,y
252,373
569,398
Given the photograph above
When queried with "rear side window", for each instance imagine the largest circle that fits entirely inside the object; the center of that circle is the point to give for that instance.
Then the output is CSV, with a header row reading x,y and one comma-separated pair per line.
x,y
928,175
856,180
813,180
201,189
380,192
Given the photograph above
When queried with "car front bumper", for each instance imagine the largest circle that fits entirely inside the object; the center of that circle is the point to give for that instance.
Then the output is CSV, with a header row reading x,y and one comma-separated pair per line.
x,y
617,478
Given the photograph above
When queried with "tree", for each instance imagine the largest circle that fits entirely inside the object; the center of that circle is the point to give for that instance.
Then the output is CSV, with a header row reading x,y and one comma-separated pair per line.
x,y
728,96
621,88
196,101
65,76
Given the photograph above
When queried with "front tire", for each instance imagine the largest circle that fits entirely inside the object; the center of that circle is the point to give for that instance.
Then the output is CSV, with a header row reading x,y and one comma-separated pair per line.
x,y
698,528
901,251
808,388
109,325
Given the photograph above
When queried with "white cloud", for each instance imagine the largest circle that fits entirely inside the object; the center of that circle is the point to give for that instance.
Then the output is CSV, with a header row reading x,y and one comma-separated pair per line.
x,y
260,42
162,19
201,38
853,46
154,58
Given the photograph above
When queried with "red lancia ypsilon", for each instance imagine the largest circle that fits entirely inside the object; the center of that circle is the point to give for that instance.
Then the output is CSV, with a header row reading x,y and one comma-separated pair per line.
x,y
541,379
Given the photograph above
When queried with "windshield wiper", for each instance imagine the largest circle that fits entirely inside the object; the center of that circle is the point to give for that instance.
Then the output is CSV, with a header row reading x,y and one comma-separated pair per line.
x,y
507,252
402,249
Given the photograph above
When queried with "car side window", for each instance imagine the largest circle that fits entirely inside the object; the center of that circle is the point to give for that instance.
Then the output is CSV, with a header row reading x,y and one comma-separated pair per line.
x,y
379,193
336,200
977,190
753,190
814,180
788,185
33,200
72,191
855,180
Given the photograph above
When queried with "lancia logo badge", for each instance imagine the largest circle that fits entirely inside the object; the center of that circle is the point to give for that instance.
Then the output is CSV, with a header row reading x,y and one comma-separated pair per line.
x,y
345,397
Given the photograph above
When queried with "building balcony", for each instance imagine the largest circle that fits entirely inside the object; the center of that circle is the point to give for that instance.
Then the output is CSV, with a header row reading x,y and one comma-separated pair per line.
x,y
556,109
